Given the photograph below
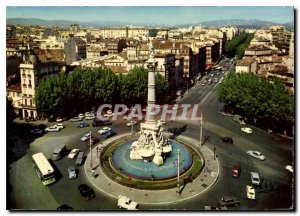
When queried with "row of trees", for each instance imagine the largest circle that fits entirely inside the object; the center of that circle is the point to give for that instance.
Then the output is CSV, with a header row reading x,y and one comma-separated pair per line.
x,y
238,45
83,89
259,99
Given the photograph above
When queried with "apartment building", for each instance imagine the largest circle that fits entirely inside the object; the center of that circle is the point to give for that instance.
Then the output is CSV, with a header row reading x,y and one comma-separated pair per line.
x,y
38,65
75,49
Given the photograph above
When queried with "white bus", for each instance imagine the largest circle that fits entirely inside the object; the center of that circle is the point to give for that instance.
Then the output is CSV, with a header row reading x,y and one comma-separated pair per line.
x,y
43,168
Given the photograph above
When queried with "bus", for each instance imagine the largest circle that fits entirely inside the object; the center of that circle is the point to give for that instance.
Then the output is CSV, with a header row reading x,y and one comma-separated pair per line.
x,y
43,168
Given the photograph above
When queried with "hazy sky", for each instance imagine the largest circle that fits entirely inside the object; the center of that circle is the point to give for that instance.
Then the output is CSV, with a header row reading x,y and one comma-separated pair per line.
x,y
158,15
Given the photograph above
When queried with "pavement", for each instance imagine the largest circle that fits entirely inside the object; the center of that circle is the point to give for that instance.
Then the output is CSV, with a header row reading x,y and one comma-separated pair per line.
x,y
202,183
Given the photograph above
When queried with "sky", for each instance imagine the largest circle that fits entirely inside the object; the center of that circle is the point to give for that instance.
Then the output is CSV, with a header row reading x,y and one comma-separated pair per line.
x,y
158,14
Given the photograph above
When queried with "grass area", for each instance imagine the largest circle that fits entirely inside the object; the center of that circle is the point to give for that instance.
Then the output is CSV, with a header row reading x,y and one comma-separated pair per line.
x,y
147,184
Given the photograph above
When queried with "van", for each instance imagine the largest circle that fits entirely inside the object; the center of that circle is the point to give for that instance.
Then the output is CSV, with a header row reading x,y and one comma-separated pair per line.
x,y
59,152
255,180
79,159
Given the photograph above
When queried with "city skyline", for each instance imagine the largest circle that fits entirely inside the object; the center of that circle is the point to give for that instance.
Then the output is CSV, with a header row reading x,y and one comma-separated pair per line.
x,y
163,15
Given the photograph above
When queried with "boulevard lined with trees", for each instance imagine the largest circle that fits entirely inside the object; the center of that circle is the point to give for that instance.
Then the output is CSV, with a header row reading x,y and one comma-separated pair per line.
x,y
238,45
83,89
261,101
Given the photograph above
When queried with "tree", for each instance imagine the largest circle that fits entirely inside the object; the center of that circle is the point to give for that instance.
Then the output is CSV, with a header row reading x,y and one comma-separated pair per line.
x,y
258,98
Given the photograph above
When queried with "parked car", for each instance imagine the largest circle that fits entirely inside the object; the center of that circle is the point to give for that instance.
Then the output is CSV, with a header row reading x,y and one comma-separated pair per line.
x,y
52,129
93,140
256,154
59,119
126,203
289,168
246,130
79,159
131,123
227,140
228,201
86,192
87,114
72,172
85,137
215,208
37,131
236,171
90,117
75,119
109,134
98,122
104,130
255,179
250,192
73,153
60,125
82,125
81,116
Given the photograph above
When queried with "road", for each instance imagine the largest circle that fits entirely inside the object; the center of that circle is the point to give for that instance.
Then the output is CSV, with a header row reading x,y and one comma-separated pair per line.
x,y
29,193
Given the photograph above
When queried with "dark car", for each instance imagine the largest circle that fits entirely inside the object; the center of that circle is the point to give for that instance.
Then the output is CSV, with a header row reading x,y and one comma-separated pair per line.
x,y
98,122
227,140
64,207
228,201
93,140
37,131
86,192
109,134
82,125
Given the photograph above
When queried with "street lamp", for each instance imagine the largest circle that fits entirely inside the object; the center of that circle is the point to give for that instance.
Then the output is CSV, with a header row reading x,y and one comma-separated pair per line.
x,y
178,185
201,123
91,162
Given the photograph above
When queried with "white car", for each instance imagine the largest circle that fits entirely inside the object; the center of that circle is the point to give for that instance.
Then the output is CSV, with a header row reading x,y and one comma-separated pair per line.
x,y
131,123
73,153
81,116
52,128
289,168
127,203
104,130
246,130
255,179
256,154
90,117
58,119
87,114
85,137
250,192
60,126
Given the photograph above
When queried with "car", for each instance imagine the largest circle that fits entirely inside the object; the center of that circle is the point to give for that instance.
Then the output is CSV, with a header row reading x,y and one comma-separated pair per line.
x,y
75,119
73,153
58,119
52,129
98,122
289,168
82,125
37,131
92,140
86,191
64,207
81,116
227,140
236,171
72,172
126,203
246,130
109,134
250,192
104,130
85,137
228,201
79,159
256,154
87,114
90,117
203,84
216,80
212,75
255,179
131,123
215,208
209,80
60,125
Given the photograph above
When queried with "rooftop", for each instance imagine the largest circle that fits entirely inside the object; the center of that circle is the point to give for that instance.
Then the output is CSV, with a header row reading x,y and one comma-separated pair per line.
x,y
245,62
